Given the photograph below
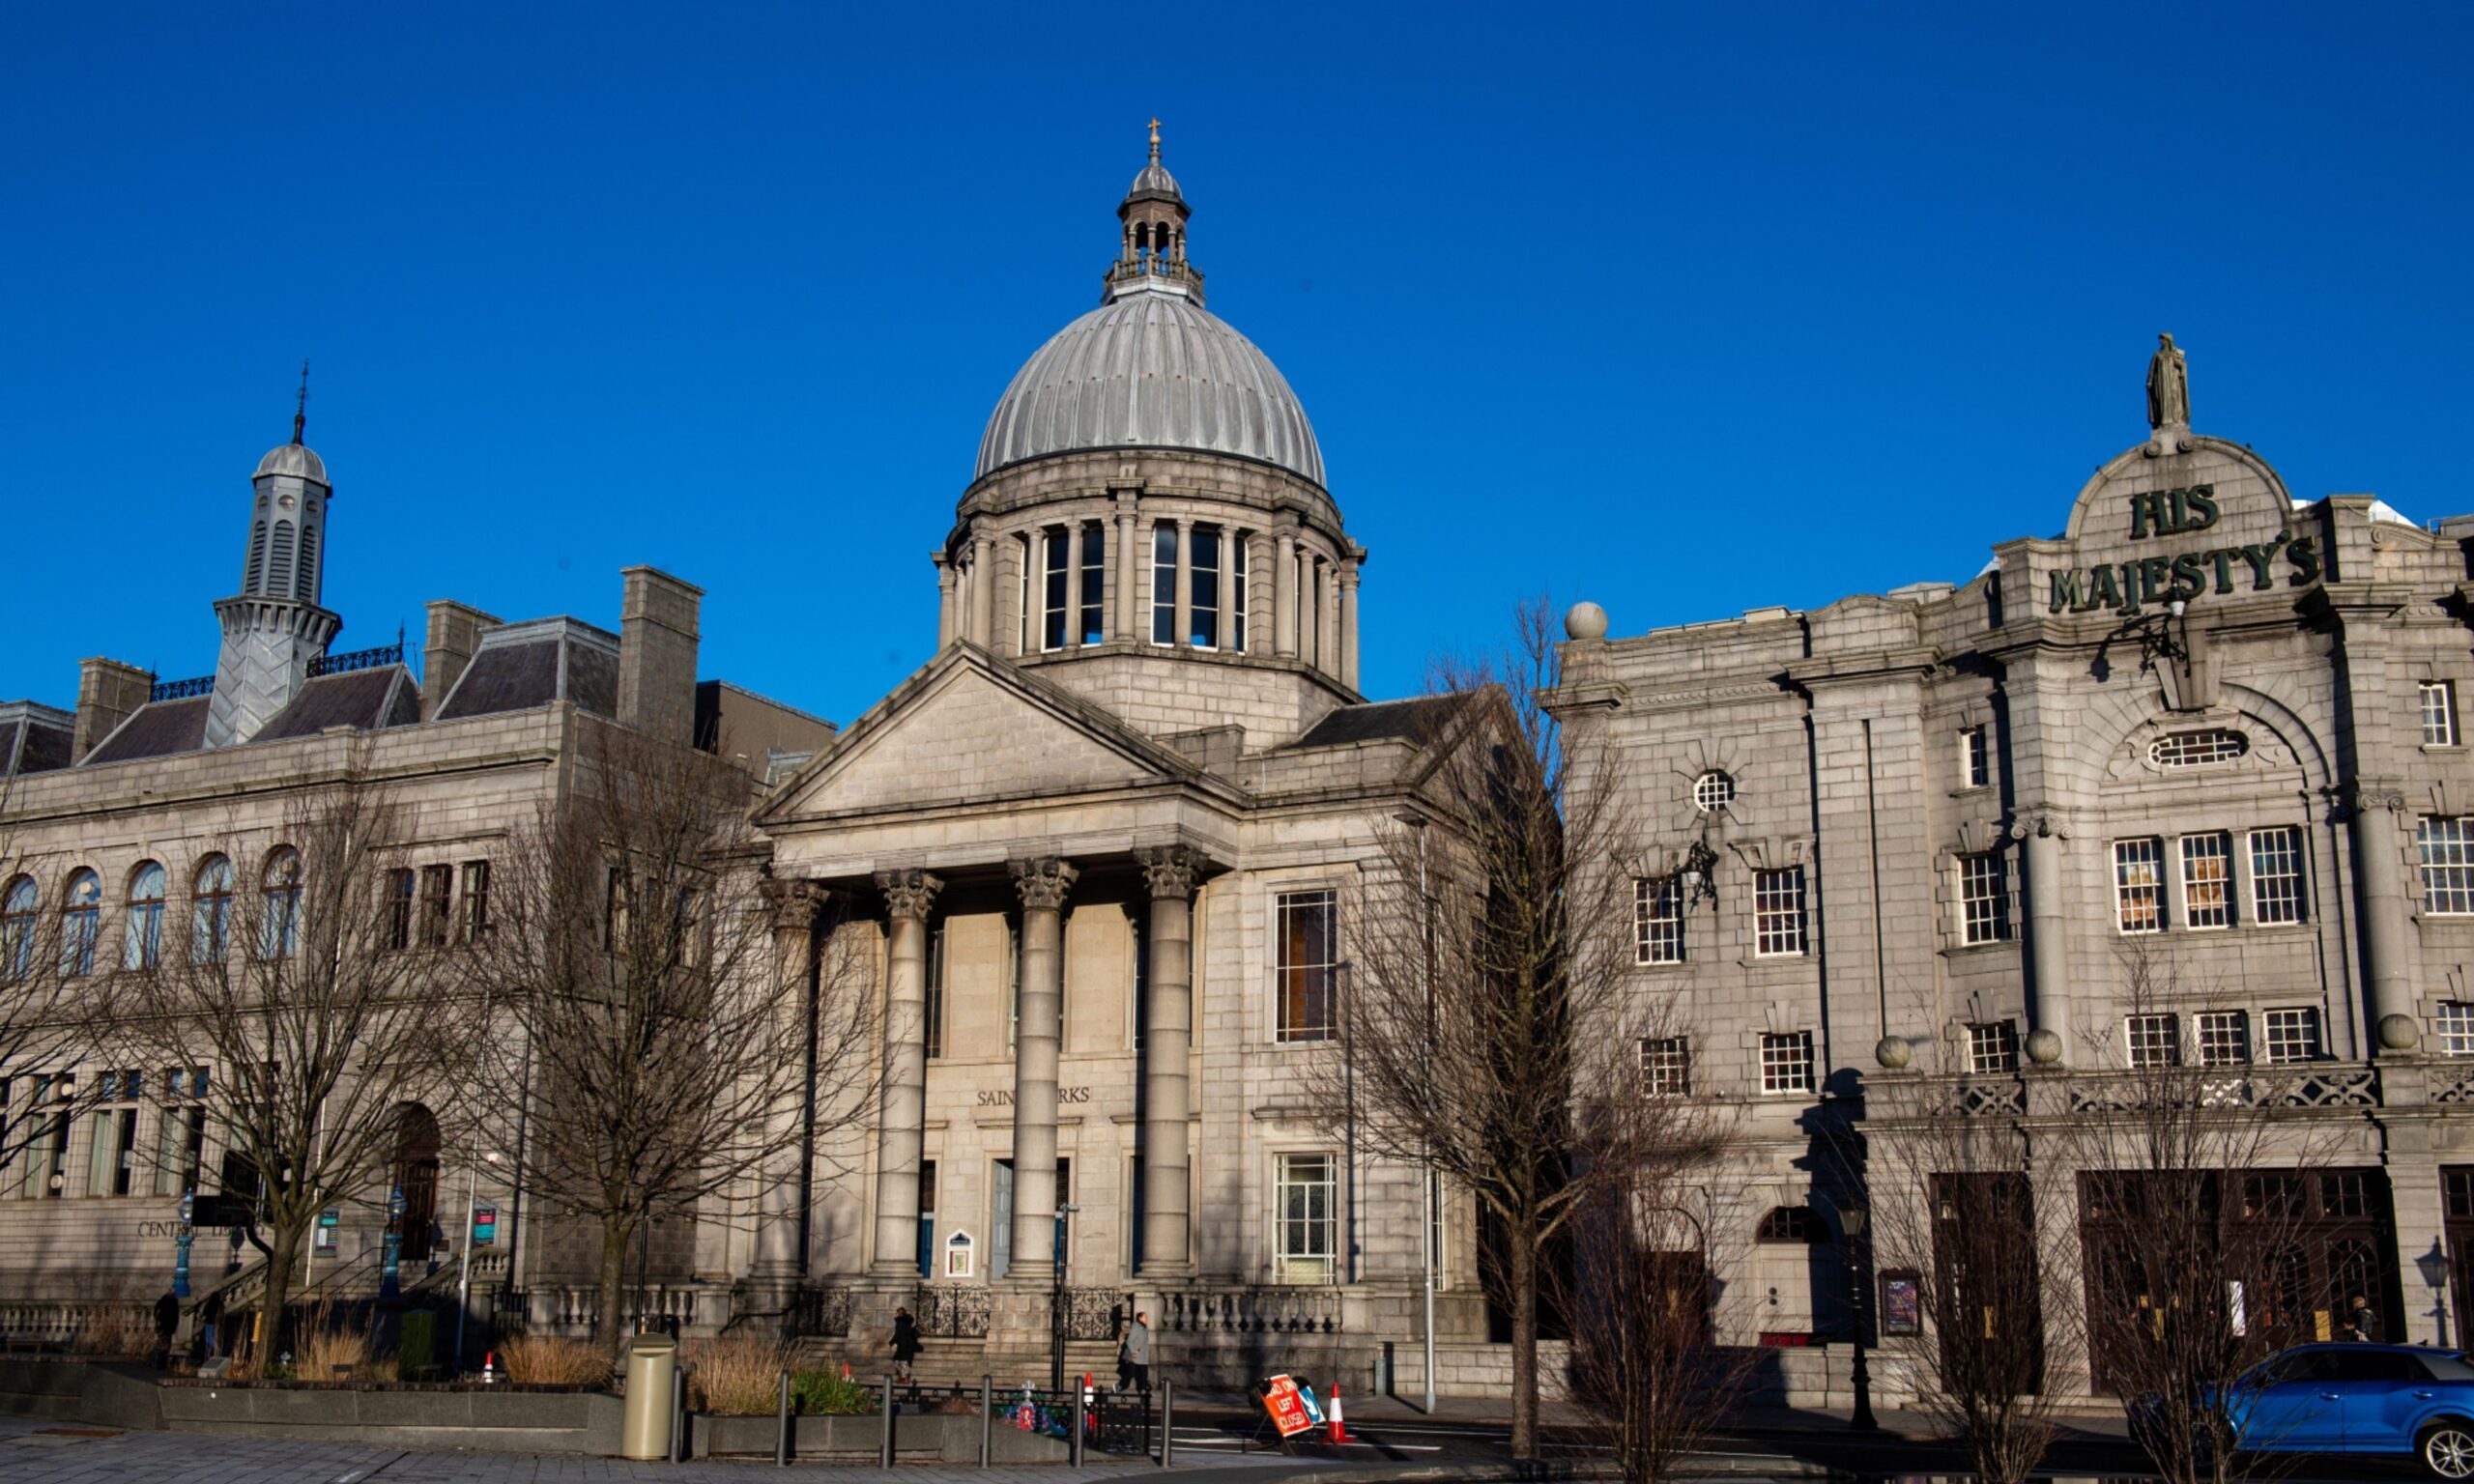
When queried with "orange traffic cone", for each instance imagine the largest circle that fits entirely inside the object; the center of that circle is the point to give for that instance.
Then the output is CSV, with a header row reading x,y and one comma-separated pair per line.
x,y
489,1367
1340,1430
846,1370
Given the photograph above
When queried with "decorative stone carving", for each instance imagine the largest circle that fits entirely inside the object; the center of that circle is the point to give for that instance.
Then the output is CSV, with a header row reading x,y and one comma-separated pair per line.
x,y
2044,1047
795,905
910,892
2398,1033
1893,1052
1170,870
2168,387
1044,882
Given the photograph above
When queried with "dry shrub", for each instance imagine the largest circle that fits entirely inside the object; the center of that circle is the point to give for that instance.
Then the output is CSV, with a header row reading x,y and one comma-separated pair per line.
x,y
551,1360
329,1347
114,1329
738,1376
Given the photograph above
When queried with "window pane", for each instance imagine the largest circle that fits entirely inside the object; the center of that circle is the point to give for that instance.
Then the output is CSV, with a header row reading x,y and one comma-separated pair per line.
x,y
2137,886
2207,898
2155,1040
2448,873
1984,899
2276,875
2224,1038
2293,1035
1657,921
1307,952
1164,584
2439,713
1095,583
1778,912
1204,608
1787,1062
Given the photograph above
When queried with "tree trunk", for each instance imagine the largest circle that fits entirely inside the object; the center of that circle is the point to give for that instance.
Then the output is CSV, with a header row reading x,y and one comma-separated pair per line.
x,y
283,1261
610,1317
1524,1343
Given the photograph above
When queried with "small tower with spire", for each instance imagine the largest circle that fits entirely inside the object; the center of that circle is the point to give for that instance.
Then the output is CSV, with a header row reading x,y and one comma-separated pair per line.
x,y
274,627
1152,252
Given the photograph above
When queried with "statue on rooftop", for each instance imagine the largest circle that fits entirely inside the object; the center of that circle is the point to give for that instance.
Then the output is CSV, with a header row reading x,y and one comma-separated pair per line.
x,y
2168,387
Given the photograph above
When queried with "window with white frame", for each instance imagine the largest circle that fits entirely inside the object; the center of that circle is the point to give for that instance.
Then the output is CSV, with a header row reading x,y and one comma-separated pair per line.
x,y
1307,962
1778,912
179,1132
2276,875
1993,1045
1713,790
2454,1020
44,1160
142,926
1237,549
1164,584
2155,1040
279,905
210,910
1666,1065
1787,1062
2222,1036
81,918
1056,587
1308,1228
1657,921
1975,757
2139,891
111,1145
2293,1035
1091,621
2207,880
2447,846
438,890
475,916
2439,712
1984,899
1202,609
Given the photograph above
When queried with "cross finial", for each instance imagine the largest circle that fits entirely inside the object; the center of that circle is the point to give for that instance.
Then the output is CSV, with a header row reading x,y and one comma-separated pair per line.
x,y
300,406
1155,137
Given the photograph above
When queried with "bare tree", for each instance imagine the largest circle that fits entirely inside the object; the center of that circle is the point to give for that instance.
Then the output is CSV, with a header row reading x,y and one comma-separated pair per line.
x,y
665,1059
2206,1204
299,1017
1988,1269
1489,1020
49,947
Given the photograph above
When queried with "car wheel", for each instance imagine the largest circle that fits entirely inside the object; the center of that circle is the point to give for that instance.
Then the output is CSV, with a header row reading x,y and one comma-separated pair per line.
x,y
2447,1450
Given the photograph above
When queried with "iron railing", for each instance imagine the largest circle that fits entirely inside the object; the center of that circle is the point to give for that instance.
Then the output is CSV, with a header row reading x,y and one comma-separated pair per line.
x,y
181,690
953,1311
819,1313
1096,1313
351,660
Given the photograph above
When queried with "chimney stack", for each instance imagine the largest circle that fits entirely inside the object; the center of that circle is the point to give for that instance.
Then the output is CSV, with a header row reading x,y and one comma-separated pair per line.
x,y
657,654
456,631
107,693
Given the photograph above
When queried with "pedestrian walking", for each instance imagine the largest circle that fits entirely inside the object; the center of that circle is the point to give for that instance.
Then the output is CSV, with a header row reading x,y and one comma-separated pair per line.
x,y
210,1317
905,1344
1134,1356
167,1319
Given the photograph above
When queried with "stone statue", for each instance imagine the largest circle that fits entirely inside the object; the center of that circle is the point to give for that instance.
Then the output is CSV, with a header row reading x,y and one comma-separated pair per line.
x,y
2168,387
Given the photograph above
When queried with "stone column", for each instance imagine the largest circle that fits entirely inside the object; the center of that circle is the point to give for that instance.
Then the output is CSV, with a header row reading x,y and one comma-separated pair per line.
x,y
1129,614
1285,592
2047,999
908,895
944,601
982,589
1348,623
781,1259
1073,585
1167,1039
2379,897
1042,884
1327,618
1184,581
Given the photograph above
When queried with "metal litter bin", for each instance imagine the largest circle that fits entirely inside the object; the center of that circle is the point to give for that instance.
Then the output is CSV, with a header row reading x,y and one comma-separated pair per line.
x,y
652,1371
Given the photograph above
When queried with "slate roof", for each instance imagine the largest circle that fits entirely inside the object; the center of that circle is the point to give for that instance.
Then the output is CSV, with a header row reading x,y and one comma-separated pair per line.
x,y
34,738
154,730
525,665
1414,721
365,698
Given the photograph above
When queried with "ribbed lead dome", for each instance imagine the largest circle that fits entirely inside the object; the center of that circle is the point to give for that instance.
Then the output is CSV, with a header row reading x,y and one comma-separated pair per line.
x,y
292,459
1151,370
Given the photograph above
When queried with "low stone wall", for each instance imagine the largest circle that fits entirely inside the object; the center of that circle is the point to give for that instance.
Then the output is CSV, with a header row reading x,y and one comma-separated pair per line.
x,y
919,1438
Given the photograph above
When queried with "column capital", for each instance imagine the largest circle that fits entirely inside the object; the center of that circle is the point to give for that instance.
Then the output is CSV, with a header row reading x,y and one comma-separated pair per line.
x,y
1184,523
1170,870
795,905
910,892
1044,882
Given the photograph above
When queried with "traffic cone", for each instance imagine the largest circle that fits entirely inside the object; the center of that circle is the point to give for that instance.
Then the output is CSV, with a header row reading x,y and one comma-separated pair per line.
x,y
1339,1432
846,1370
489,1366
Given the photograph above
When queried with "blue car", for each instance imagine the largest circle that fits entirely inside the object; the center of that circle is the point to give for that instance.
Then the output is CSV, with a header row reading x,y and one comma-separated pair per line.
x,y
2361,1399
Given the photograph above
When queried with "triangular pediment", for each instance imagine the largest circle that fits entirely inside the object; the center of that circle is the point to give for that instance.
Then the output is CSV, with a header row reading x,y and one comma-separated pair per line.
x,y
970,727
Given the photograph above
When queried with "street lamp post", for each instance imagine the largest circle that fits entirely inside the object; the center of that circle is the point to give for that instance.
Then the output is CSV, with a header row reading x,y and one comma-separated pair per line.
x,y
1056,1302
1426,1159
2434,1267
1851,1216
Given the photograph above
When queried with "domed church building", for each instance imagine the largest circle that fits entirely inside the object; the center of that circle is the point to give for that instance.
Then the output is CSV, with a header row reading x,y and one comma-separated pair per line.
x,y
1097,848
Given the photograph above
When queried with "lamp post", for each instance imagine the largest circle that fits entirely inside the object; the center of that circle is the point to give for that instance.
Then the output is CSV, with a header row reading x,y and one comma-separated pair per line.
x,y
1851,1215
2434,1267
388,1285
464,1267
1056,1302
1426,1159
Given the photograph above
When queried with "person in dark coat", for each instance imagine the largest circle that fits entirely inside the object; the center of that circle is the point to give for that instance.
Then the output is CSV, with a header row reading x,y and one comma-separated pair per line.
x,y
167,1319
905,1344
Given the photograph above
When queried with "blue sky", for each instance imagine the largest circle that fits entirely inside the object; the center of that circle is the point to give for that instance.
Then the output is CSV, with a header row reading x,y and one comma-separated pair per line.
x,y
1681,309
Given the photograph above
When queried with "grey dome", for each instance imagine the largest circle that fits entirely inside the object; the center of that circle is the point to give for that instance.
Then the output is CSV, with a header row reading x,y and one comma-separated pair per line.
x,y
1151,370
292,459
1155,181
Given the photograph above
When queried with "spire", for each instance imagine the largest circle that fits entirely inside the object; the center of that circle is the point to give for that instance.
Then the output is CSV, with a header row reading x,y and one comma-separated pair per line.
x,y
1155,138
300,406
1151,248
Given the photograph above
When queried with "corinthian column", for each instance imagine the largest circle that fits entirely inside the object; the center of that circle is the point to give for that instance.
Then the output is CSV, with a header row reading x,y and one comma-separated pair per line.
x,y
982,589
1185,581
944,601
780,1256
1167,1037
909,895
1129,617
1043,883
1348,623
1285,592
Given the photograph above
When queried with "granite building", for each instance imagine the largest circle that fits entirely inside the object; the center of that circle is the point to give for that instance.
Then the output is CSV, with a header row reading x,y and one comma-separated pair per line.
x,y
2209,728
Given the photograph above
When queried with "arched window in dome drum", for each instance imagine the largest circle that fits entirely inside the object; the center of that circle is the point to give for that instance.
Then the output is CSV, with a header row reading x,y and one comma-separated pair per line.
x,y
1095,574
1205,607
1164,583
1240,541
1053,577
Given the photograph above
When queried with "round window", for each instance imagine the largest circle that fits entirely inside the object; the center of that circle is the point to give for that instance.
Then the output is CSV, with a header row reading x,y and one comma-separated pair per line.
x,y
1712,790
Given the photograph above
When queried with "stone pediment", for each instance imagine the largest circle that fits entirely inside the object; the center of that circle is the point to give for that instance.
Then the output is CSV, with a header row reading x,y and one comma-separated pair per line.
x,y
969,726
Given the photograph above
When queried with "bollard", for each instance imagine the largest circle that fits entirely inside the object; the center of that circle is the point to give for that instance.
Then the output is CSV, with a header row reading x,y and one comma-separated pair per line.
x,y
782,1440
1073,1455
679,1414
987,1418
1167,1420
885,1450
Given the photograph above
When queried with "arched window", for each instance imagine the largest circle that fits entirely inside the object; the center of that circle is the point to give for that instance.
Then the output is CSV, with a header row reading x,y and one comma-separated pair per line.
x,y
81,917
1791,1223
210,910
18,907
142,946
279,923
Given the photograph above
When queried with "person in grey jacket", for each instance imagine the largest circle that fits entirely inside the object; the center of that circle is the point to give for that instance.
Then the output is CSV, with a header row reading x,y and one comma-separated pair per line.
x,y
1134,1356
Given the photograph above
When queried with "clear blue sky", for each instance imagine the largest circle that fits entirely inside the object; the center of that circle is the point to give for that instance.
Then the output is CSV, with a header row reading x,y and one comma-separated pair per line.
x,y
1685,309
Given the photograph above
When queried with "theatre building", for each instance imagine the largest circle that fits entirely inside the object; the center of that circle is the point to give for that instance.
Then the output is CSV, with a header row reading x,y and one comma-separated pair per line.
x,y
2186,783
